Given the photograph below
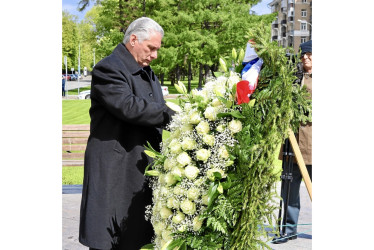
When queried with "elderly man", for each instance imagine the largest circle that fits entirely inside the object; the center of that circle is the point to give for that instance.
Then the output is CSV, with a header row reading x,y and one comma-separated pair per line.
x,y
127,111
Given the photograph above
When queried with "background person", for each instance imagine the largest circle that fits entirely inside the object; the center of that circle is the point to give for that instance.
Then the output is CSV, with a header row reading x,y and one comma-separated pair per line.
x,y
63,86
305,144
127,111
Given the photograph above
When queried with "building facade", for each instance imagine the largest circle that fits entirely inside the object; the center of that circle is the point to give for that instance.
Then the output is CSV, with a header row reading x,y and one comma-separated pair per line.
x,y
293,24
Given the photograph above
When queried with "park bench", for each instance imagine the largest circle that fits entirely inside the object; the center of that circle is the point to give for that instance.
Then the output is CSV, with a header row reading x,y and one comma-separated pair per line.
x,y
74,142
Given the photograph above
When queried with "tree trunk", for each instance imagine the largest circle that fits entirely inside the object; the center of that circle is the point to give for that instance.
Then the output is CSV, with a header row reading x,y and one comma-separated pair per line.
x,y
178,73
189,76
200,86
162,78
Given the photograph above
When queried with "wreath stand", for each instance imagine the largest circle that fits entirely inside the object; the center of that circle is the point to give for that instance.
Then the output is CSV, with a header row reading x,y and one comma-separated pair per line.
x,y
291,149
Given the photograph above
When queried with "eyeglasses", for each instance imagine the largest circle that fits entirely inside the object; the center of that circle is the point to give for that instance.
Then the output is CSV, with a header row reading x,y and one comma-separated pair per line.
x,y
308,54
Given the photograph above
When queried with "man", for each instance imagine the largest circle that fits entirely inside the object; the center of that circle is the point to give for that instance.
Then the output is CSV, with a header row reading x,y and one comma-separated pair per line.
x,y
127,111
305,144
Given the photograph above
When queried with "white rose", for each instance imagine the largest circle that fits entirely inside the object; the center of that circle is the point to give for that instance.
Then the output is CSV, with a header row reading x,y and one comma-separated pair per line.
x,y
184,159
164,191
233,79
182,228
188,143
175,147
188,207
216,102
205,199
223,153
165,213
203,154
219,90
220,128
235,126
159,228
197,223
195,118
178,190
169,179
193,193
191,172
203,127
178,218
169,163
172,203
208,139
186,127
166,235
178,172
175,134
199,182
211,113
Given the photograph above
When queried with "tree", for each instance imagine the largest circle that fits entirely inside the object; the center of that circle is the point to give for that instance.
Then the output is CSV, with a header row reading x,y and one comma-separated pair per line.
x,y
69,40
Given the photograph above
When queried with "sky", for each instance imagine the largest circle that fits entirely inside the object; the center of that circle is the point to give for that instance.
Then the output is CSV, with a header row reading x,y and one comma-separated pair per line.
x,y
71,7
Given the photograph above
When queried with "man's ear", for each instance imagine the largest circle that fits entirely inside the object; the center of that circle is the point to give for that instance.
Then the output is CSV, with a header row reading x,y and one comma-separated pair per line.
x,y
132,40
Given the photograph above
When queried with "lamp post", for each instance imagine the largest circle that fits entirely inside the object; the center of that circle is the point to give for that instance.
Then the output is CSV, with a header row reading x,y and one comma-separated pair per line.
x,y
304,21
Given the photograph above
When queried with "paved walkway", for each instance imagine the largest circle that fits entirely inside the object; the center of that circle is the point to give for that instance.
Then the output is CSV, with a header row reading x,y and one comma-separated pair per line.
x,y
71,197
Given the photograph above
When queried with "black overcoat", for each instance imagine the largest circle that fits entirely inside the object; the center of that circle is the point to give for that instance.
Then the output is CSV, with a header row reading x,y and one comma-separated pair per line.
x,y
127,110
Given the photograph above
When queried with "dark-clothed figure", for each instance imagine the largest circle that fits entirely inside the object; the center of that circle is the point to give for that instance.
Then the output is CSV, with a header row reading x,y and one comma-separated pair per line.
x,y
305,144
127,111
63,86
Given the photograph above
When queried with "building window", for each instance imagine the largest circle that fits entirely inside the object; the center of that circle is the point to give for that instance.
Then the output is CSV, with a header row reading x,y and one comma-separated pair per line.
x,y
303,13
303,39
303,1
303,26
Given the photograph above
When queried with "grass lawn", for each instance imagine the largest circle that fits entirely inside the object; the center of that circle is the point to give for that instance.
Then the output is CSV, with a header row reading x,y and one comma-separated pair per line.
x,y
75,91
75,111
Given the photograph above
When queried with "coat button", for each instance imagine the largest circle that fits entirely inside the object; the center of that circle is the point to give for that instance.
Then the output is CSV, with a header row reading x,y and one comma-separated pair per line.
x,y
150,94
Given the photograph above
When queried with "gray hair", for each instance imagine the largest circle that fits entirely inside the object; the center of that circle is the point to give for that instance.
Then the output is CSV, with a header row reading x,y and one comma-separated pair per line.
x,y
142,28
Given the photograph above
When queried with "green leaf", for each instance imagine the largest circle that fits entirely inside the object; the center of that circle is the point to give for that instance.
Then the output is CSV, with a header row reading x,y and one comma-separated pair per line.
x,y
152,173
148,247
150,153
235,114
173,244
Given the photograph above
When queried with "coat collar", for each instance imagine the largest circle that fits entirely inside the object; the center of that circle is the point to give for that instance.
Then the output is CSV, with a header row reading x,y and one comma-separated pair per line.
x,y
123,53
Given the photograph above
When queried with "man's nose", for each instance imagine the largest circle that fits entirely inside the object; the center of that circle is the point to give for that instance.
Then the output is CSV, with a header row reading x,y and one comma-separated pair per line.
x,y
154,54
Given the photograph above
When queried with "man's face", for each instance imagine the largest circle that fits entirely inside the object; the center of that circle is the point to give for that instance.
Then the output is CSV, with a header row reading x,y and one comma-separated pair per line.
x,y
306,59
146,51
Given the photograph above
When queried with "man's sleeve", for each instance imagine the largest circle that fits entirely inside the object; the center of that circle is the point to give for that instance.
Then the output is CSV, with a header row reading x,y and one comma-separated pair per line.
x,y
109,90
